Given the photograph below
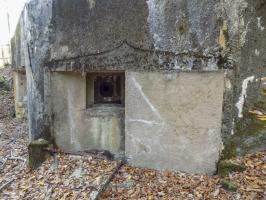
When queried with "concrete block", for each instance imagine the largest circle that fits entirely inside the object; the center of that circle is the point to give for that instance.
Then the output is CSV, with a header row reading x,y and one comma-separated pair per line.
x,y
173,121
38,152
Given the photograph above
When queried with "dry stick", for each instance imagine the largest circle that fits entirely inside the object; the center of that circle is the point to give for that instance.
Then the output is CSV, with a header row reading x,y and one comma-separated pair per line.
x,y
6,184
17,158
3,161
98,193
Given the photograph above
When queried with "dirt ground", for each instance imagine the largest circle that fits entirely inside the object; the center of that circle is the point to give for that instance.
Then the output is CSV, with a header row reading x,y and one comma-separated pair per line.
x,y
87,176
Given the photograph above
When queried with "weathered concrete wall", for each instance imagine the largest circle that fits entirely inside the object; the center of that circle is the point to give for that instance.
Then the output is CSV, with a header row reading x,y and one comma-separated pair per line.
x,y
19,46
188,30
20,93
246,43
30,49
98,25
173,121
150,36
77,128
184,25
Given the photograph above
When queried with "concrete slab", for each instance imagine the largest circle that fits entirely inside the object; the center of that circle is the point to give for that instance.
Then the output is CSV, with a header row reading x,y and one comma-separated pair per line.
x,y
173,121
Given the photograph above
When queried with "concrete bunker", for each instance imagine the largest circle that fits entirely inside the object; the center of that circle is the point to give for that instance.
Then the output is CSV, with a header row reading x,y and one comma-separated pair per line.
x,y
148,80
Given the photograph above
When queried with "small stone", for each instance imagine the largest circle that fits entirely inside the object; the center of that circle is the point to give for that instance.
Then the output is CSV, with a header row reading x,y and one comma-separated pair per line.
x,y
238,196
216,192
161,194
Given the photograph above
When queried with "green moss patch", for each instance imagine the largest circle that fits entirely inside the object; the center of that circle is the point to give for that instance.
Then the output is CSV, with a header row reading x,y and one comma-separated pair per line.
x,y
37,152
228,185
3,83
249,137
227,167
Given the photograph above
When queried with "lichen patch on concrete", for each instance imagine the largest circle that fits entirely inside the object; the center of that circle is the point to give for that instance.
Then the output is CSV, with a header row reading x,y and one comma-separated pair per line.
x,y
243,95
261,28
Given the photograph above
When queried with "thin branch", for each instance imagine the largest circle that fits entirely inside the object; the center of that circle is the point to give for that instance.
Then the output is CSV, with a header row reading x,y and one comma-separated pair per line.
x,y
96,194
3,161
6,184
16,158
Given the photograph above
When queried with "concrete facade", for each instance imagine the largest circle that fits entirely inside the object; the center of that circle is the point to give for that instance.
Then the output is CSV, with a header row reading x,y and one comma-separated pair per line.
x,y
162,130
77,128
194,77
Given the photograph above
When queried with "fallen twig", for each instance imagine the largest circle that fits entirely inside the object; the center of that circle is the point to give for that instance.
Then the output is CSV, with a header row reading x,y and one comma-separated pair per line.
x,y
3,161
17,158
6,184
96,194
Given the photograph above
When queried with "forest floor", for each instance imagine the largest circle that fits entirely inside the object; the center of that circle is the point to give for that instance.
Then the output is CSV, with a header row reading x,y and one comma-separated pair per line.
x,y
87,176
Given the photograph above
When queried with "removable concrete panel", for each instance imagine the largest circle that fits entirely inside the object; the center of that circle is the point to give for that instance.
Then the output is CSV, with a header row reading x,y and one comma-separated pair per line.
x,y
78,128
173,121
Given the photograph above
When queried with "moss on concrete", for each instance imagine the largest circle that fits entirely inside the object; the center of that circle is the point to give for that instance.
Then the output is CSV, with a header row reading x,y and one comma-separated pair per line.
x,y
229,150
37,152
249,135
227,167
